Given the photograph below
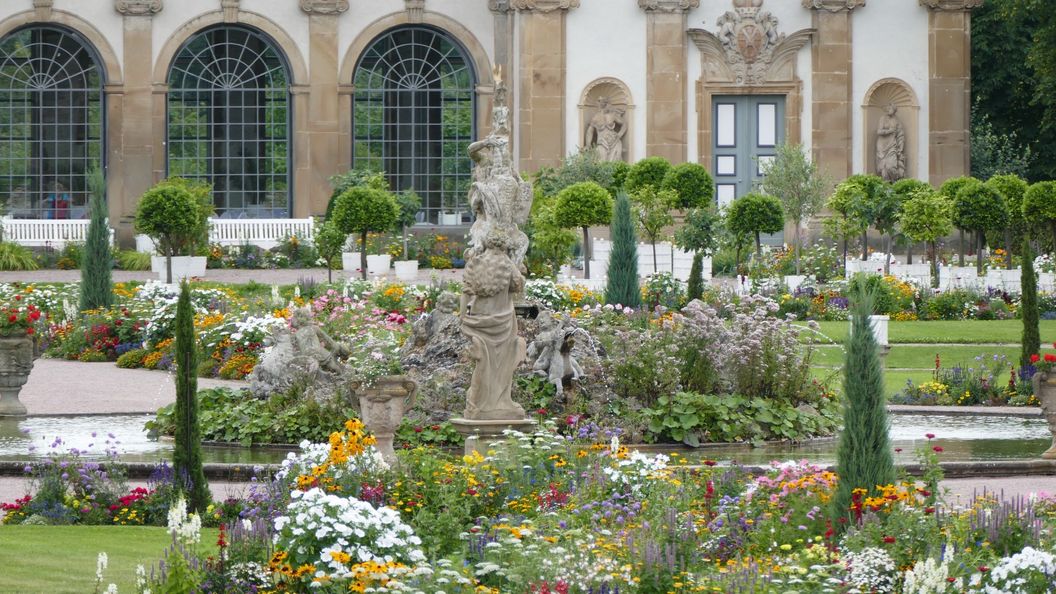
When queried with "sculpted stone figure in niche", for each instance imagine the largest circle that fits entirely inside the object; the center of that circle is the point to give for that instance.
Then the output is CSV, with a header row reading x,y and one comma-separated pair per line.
x,y
606,130
890,146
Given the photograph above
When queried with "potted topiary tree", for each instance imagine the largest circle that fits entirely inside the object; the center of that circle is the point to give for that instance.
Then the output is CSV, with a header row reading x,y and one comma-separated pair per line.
x,y
329,241
175,214
583,205
351,260
754,214
927,216
410,203
364,209
979,208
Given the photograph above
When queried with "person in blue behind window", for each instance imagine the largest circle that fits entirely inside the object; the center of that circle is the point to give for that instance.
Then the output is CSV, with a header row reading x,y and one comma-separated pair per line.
x,y
57,202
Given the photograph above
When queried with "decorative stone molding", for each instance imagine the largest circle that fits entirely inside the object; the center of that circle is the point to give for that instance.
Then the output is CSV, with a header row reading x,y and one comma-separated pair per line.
x,y
230,10
668,5
499,5
136,7
415,10
833,5
330,7
951,4
542,5
748,50
42,9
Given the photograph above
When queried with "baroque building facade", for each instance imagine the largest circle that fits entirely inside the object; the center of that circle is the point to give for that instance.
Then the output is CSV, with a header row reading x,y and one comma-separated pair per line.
x,y
266,99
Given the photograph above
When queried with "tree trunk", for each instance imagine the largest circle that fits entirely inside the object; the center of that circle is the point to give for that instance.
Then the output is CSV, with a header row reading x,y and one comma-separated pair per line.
x,y
797,240
934,265
1037,250
655,268
403,231
758,246
1008,248
586,252
909,252
979,256
168,268
960,247
329,273
737,260
865,245
887,254
845,246
363,254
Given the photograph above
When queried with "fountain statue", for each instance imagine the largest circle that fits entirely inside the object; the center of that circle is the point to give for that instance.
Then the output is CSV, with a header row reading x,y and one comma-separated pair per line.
x,y
493,282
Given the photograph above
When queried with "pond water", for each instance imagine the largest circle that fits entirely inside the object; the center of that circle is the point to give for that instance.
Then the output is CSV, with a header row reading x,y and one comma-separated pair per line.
x,y
962,438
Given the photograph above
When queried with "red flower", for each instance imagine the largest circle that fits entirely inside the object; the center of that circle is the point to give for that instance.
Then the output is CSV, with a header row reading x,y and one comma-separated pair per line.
x,y
12,318
889,539
18,298
984,568
929,510
938,449
929,435
1050,358
29,331
709,463
1034,358
898,450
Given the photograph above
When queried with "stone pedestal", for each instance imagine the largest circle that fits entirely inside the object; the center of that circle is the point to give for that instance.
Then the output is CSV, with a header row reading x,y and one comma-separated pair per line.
x,y
1045,391
480,434
16,361
382,407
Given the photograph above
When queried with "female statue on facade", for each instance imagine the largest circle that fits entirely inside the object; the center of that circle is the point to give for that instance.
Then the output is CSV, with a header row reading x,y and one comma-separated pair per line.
x,y
605,131
890,146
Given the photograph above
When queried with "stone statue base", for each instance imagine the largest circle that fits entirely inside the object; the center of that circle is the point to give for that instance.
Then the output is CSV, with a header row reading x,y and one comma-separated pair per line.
x,y
480,434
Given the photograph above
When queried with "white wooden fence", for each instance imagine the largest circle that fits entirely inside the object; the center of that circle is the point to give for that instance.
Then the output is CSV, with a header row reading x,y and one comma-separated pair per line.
x,y
264,233
46,232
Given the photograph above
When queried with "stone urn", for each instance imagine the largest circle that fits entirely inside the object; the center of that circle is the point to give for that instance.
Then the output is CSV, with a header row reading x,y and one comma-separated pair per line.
x,y
16,361
382,407
1045,390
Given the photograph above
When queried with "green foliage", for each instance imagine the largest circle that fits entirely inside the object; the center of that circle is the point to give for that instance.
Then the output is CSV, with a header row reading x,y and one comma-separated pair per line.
x,y
995,153
1028,307
234,416
695,285
187,453
96,281
863,456
622,284
409,203
1011,188
1039,206
692,183
978,207
582,166
363,209
583,204
132,359
650,171
329,241
692,419
133,260
355,178
794,179
16,257
175,214
754,214
927,216
550,245
701,231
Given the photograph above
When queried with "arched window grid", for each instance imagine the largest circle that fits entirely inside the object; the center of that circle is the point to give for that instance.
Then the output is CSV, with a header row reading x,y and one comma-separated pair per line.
x,y
414,117
52,127
229,120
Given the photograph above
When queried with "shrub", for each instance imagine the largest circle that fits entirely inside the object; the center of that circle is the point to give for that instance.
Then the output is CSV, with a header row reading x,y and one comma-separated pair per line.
x,y
1031,338
329,241
979,208
927,216
692,183
1011,188
344,182
583,205
96,280
652,214
755,214
174,217
16,257
621,287
1039,207
363,209
650,171
133,260
132,359
187,453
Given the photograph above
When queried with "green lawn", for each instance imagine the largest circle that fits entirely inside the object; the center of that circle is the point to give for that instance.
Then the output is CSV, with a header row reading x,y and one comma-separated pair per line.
x,y
923,357
964,332
894,381
62,559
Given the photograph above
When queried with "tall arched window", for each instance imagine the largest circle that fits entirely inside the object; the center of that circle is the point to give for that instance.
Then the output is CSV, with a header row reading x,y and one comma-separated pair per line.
x,y
229,120
413,117
51,121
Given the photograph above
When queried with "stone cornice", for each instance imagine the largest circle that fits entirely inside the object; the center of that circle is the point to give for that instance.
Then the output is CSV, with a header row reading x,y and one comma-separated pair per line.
x,y
415,10
833,5
951,4
138,7
668,5
535,5
327,7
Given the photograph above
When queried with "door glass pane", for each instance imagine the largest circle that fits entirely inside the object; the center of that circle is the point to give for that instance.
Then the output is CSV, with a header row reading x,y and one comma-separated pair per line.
x,y
762,162
726,194
767,124
726,165
726,125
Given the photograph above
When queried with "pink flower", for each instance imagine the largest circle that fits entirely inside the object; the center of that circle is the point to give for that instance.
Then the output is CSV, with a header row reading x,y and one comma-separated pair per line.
x,y
929,435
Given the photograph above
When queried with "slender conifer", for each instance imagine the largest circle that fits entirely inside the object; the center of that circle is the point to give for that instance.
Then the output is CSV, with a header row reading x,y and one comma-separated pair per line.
x,y
187,456
622,285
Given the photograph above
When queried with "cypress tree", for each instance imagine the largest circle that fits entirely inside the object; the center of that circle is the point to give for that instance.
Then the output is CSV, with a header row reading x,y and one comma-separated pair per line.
x,y
1031,343
187,456
863,457
695,285
622,285
96,282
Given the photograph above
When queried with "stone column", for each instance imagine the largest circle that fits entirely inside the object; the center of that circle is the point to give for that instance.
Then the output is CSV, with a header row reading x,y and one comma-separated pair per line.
x,y
541,81
832,63
666,121
949,87
503,59
319,126
131,165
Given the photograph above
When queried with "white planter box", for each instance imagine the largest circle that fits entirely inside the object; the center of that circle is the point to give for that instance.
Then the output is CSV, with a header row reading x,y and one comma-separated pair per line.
x,y
182,267
407,270
879,325
450,218
350,261
378,264
145,244
792,281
